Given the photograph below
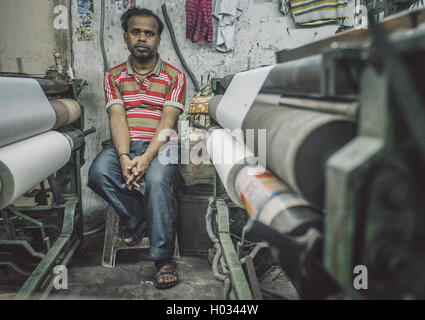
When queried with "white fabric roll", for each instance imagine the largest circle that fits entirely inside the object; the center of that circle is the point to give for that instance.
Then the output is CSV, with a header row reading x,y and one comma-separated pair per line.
x,y
24,109
240,96
30,161
228,157
264,196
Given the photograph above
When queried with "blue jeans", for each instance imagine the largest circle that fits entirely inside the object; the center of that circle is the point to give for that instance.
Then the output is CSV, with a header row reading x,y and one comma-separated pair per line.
x,y
157,206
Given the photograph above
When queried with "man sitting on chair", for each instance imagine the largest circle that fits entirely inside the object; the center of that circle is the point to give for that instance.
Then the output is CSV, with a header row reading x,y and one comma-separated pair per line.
x,y
144,96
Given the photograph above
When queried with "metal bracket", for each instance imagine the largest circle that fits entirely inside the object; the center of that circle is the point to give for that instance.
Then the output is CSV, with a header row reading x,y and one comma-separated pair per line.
x,y
239,282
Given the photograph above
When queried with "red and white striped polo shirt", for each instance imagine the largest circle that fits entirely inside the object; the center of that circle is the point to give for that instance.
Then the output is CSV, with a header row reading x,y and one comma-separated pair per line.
x,y
143,102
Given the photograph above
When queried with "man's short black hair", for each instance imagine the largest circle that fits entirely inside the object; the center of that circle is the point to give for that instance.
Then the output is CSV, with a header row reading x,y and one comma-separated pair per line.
x,y
140,12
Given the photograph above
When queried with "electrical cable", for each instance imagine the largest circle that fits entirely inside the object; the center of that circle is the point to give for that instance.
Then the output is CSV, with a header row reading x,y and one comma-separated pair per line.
x,y
102,40
218,254
70,34
176,47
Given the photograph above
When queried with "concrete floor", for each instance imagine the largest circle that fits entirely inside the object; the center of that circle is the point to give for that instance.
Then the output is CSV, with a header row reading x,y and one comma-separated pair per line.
x,y
132,277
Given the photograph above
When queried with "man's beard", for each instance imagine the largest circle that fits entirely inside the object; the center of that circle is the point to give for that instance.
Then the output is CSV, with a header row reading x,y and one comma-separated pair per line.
x,y
147,55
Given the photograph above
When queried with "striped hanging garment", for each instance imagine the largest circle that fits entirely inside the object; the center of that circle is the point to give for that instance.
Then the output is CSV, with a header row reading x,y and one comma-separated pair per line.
x,y
314,12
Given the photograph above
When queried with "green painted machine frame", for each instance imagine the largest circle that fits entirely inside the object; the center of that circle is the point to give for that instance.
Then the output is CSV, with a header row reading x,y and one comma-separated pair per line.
x,y
239,282
374,213
229,217
64,216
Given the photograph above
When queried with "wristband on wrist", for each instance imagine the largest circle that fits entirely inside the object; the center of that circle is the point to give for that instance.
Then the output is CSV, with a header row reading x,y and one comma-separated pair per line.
x,y
123,154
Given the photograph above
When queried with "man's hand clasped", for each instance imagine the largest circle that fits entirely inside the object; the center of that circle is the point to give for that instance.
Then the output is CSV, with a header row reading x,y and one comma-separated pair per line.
x,y
133,170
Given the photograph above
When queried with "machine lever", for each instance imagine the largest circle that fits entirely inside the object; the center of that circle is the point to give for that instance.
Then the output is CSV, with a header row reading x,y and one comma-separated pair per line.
x,y
89,131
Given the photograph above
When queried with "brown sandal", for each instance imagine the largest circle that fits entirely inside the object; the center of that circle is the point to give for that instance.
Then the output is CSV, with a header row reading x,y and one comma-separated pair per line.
x,y
166,267
136,234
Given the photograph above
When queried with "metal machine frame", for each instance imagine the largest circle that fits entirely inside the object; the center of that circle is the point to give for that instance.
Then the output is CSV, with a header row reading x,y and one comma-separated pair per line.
x,y
63,215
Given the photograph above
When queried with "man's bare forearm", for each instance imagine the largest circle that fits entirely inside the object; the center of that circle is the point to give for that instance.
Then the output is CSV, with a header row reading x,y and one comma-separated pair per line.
x,y
120,134
121,139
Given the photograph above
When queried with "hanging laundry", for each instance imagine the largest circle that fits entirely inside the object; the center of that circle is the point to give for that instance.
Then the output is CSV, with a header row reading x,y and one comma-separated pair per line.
x,y
314,12
417,4
226,11
199,20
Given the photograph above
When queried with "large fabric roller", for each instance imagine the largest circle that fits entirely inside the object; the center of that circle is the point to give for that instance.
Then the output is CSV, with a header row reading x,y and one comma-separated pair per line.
x,y
67,111
228,157
299,141
298,144
30,161
26,111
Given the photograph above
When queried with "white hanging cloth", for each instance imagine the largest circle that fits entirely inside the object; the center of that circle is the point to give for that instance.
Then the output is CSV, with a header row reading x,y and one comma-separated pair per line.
x,y
226,11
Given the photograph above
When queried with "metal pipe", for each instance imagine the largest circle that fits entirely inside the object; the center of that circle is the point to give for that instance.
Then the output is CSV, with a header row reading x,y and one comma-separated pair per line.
x,y
344,107
243,235
39,224
13,266
75,138
348,109
255,251
240,244
26,246
253,280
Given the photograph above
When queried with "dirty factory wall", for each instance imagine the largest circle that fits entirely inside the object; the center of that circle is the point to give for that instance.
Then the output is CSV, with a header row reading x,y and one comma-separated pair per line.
x,y
31,32
260,31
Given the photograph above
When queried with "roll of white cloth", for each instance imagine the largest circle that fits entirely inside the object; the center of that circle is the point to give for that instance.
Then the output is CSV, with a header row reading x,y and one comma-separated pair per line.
x,y
24,110
26,163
